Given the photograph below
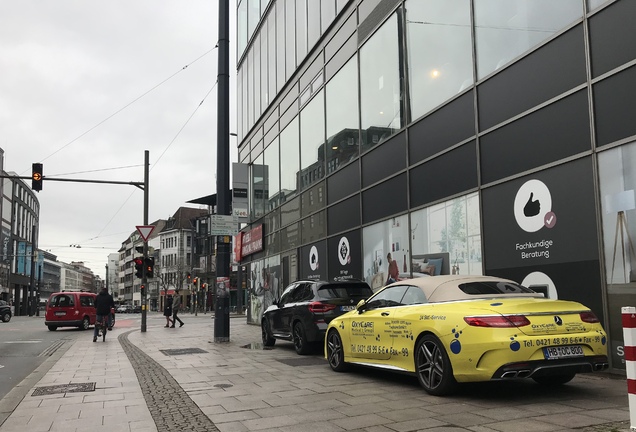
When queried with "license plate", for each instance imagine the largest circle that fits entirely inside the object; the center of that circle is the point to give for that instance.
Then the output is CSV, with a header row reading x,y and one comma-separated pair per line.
x,y
347,308
560,352
60,313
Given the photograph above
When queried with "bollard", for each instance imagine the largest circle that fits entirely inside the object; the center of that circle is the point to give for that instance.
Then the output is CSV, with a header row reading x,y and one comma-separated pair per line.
x,y
629,350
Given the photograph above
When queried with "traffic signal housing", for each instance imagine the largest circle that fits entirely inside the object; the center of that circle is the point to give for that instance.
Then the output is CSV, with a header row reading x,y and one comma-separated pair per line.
x,y
139,267
36,177
150,267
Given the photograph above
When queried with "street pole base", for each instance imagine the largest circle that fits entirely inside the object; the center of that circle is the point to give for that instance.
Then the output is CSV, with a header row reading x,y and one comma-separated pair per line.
x,y
221,339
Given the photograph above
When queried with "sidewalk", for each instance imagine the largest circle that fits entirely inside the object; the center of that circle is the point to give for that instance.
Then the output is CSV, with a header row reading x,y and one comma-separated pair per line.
x,y
238,386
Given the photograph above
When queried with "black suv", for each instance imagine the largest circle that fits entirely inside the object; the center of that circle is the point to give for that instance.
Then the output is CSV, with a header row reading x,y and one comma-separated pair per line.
x,y
5,311
305,309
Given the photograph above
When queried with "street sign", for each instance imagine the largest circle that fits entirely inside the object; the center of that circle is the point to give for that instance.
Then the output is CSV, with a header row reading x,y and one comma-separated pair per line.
x,y
223,225
145,231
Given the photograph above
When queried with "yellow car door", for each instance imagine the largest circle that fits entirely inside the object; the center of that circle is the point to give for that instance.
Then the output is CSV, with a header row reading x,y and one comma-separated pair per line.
x,y
370,332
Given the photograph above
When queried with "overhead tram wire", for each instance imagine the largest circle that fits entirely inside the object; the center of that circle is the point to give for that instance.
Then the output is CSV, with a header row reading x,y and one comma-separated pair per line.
x,y
129,104
160,156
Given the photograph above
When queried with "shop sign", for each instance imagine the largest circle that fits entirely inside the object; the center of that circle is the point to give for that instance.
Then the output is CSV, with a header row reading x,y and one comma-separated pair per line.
x,y
252,241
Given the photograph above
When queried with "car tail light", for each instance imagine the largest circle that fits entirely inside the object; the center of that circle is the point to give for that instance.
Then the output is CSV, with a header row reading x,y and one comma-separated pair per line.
x,y
589,317
497,321
319,307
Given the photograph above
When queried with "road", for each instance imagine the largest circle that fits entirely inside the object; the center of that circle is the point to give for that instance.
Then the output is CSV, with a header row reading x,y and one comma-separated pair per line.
x,y
25,343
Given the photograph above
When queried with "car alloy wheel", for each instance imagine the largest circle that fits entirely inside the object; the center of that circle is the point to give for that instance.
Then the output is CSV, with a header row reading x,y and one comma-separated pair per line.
x,y
433,367
268,340
6,317
85,324
335,352
300,340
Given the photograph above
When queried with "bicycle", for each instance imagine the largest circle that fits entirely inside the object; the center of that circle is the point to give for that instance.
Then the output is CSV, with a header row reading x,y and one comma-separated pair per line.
x,y
102,328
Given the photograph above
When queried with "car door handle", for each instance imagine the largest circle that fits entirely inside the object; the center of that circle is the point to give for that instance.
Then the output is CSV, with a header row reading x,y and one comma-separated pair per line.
x,y
385,313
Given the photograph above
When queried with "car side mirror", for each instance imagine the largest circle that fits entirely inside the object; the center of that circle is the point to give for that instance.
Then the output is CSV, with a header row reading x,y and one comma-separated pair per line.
x,y
360,307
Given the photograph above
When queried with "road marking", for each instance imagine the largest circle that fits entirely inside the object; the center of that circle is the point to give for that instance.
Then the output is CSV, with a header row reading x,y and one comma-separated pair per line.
x,y
23,342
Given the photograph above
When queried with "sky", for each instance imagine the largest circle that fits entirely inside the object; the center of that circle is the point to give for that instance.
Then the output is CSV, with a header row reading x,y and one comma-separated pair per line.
x,y
86,87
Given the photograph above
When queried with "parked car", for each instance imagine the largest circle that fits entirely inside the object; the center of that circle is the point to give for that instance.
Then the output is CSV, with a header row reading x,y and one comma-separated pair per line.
x,y
70,309
5,311
452,329
123,309
306,308
136,309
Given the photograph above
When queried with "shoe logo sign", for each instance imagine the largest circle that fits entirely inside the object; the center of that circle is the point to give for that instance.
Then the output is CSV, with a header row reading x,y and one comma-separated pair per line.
x,y
533,206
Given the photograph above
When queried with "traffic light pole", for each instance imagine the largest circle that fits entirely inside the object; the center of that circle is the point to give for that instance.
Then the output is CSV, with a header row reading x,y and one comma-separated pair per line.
x,y
144,279
222,299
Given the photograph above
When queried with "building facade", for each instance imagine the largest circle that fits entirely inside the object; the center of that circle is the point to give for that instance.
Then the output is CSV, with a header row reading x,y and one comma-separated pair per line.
x,y
459,136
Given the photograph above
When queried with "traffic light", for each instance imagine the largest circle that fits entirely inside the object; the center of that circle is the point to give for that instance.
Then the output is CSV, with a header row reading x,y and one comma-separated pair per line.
x,y
195,281
150,267
204,286
139,267
36,177
189,277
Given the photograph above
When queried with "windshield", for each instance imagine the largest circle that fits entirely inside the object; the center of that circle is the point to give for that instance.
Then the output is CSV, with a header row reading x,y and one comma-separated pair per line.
x,y
494,287
345,291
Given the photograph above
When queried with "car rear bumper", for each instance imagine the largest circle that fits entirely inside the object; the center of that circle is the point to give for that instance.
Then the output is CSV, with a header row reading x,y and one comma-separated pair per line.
x,y
543,368
69,323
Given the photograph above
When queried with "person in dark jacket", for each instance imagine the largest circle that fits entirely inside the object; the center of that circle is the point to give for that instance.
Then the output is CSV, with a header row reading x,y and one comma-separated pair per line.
x,y
104,303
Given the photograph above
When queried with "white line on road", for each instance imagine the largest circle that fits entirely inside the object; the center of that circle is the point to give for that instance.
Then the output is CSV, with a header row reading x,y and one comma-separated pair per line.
x,y
21,342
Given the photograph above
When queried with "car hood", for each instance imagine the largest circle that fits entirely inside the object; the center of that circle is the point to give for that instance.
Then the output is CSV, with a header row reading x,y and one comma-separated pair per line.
x,y
546,316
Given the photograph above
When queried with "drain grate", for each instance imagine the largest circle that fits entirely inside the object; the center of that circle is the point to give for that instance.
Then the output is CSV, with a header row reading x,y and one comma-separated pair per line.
x,y
64,388
306,361
182,351
223,386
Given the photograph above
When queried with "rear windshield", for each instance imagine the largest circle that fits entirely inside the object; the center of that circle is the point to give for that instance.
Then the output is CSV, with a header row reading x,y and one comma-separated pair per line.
x,y
62,300
494,287
345,291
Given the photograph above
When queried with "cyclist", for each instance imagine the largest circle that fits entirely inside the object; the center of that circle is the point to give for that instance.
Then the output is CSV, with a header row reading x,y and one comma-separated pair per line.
x,y
103,304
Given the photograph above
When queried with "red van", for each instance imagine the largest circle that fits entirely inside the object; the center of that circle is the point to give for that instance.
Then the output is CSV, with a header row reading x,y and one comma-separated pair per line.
x,y
70,309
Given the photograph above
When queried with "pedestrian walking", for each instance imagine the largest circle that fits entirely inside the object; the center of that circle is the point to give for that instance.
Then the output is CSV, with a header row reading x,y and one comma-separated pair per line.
x,y
176,306
167,310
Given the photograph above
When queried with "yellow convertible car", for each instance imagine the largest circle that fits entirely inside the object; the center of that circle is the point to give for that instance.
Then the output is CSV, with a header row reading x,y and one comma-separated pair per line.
x,y
452,329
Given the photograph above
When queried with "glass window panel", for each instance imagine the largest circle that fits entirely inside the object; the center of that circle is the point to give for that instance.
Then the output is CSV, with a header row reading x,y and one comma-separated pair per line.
x,y
264,69
312,141
380,94
250,88
289,160
272,173
327,13
301,29
314,227
242,27
340,4
439,51
380,240
280,44
505,29
258,180
453,227
271,53
253,15
290,36
342,116
257,77
313,199
313,22
239,103
246,90
290,212
593,4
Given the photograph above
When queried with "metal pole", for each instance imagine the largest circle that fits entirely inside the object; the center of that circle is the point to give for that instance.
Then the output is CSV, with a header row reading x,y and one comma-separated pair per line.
x,y
239,290
37,292
32,276
144,279
222,307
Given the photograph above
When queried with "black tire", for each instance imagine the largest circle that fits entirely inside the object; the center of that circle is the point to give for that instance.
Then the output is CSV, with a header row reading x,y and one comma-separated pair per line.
x,y
52,328
268,340
86,323
6,317
300,339
433,367
555,380
335,352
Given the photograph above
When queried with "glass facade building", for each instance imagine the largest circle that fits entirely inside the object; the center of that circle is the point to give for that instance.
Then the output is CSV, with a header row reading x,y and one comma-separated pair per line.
x,y
460,136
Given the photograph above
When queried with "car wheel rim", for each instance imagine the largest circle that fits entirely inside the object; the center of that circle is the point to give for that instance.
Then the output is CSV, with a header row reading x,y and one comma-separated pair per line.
x,y
298,337
430,365
334,349
86,324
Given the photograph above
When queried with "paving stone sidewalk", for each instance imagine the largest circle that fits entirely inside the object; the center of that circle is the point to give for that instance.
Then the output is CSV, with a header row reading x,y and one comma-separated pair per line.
x,y
179,379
